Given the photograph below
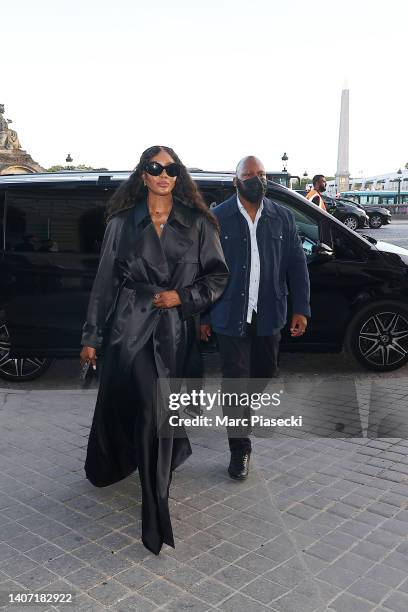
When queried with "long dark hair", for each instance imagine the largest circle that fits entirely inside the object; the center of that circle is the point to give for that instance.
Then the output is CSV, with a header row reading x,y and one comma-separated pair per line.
x,y
133,190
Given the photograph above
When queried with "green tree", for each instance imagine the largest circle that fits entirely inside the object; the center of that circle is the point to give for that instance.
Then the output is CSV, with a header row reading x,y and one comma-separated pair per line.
x,y
80,167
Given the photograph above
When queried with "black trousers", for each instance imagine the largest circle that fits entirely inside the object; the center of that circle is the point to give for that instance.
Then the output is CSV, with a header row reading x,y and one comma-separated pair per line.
x,y
246,357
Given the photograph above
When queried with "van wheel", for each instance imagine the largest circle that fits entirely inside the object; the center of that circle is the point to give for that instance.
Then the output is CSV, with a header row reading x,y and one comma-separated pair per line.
x,y
351,222
375,221
378,336
19,369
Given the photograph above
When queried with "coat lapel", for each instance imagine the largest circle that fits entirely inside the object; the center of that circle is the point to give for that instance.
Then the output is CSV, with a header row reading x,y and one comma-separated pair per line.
x,y
176,239
148,250
140,245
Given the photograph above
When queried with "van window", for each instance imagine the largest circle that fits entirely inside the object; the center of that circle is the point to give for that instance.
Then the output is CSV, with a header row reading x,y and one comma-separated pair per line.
x,y
228,191
59,223
2,235
308,227
212,195
345,248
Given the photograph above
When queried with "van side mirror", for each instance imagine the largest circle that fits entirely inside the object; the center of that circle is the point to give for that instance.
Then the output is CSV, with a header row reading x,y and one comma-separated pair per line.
x,y
322,252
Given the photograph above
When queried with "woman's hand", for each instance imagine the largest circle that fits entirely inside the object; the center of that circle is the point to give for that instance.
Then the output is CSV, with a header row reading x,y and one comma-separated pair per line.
x,y
205,332
166,299
88,354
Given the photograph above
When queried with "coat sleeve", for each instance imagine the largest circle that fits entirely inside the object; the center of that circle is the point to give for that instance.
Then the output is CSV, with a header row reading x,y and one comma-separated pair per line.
x,y
213,276
298,273
205,317
104,289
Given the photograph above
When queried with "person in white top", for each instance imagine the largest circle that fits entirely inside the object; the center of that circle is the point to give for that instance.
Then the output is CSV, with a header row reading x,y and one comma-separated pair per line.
x,y
255,263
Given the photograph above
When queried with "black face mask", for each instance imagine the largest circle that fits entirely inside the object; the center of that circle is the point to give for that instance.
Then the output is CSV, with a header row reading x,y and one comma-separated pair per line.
x,y
253,189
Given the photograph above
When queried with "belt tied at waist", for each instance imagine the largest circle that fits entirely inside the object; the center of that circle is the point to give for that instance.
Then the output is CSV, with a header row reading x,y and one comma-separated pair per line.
x,y
144,287
150,290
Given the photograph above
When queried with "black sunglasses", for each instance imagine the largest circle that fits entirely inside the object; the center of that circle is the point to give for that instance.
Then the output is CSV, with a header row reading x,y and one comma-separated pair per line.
x,y
155,169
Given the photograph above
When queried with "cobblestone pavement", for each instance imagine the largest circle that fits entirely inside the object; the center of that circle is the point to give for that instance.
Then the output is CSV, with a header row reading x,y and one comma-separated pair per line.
x,y
320,524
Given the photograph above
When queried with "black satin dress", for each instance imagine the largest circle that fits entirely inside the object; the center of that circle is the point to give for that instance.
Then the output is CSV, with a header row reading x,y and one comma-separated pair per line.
x,y
141,343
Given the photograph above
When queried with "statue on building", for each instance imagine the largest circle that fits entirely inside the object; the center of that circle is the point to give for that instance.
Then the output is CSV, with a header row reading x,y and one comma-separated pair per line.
x,y
3,128
13,160
8,137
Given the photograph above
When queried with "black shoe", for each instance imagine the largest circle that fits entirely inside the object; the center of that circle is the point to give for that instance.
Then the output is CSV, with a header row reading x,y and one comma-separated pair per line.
x,y
239,465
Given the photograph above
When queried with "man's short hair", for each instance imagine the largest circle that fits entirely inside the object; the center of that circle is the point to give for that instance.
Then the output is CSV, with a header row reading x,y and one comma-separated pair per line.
x,y
316,178
242,162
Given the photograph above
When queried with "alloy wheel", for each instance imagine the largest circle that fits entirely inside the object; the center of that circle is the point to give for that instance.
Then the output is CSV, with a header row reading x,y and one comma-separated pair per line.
x,y
18,369
351,222
375,221
383,339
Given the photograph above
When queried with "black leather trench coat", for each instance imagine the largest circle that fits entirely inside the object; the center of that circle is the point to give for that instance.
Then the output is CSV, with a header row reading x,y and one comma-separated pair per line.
x,y
141,342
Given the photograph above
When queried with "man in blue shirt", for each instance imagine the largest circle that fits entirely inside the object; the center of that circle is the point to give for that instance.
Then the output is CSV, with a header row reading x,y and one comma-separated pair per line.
x,y
263,250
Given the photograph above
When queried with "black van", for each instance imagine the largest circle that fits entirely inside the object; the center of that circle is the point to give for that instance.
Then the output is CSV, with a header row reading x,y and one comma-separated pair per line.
x,y
51,231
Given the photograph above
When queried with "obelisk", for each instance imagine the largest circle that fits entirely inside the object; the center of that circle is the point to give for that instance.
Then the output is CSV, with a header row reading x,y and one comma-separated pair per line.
x,y
343,174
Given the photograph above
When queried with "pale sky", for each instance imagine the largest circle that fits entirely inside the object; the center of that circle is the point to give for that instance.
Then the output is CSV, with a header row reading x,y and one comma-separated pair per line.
x,y
215,80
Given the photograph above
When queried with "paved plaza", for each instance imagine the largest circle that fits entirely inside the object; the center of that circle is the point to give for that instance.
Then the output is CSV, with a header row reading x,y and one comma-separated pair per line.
x,y
320,524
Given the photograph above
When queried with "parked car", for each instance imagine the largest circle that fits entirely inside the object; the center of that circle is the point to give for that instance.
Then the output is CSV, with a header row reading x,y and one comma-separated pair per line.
x,y
51,231
347,212
377,215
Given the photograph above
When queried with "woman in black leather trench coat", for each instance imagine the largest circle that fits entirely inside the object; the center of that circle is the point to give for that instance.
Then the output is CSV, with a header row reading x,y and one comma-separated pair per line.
x,y
161,263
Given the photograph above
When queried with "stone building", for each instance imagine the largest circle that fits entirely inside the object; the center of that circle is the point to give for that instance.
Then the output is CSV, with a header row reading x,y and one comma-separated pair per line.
x,y
13,159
